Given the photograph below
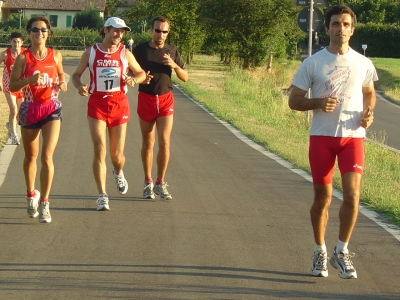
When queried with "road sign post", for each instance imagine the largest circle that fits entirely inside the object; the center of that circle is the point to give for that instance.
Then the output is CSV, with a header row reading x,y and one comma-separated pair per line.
x,y
308,22
364,47
319,3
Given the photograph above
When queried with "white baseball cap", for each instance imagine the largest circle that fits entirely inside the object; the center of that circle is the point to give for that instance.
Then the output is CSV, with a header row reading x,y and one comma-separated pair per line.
x,y
116,23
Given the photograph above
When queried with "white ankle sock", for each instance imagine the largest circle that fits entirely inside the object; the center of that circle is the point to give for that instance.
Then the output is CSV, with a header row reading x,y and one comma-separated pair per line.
x,y
341,247
320,248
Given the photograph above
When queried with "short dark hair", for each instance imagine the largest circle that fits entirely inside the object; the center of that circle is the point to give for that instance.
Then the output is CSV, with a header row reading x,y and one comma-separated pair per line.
x,y
159,18
16,35
338,10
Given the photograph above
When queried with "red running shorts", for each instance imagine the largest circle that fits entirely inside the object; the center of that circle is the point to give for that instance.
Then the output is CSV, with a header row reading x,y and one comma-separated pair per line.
x,y
114,110
323,151
150,107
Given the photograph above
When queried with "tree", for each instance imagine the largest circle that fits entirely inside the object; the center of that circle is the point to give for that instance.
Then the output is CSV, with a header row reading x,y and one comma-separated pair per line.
x,y
369,11
186,34
13,22
88,18
252,29
112,8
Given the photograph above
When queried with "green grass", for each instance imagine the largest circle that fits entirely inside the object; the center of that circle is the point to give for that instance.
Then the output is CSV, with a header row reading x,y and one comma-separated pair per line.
x,y
253,102
389,77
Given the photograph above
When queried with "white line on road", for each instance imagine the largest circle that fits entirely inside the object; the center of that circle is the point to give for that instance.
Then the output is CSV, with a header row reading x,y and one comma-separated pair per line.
x,y
6,155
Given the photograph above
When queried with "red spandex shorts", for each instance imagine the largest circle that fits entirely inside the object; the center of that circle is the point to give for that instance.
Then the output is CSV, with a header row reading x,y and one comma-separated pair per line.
x,y
151,107
18,95
114,110
322,155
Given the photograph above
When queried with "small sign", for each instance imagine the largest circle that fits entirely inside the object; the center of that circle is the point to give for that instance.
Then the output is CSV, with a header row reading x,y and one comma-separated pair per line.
x,y
304,15
319,3
364,46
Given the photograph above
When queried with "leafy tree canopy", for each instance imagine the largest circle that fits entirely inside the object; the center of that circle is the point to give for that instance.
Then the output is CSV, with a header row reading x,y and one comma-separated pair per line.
x,y
88,18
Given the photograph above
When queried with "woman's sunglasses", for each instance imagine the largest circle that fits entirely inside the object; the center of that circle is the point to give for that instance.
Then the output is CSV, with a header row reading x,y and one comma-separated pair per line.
x,y
35,29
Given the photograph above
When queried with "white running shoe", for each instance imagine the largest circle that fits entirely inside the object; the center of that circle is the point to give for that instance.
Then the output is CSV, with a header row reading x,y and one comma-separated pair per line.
x,y
319,267
148,190
33,203
161,190
102,202
44,212
9,130
14,139
120,181
342,262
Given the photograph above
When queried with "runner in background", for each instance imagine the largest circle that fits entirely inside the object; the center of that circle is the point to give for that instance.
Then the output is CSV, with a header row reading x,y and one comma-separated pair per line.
x,y
156,103
13,99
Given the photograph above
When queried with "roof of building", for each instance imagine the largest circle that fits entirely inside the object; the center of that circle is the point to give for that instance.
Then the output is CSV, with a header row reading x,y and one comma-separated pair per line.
x,y
72,5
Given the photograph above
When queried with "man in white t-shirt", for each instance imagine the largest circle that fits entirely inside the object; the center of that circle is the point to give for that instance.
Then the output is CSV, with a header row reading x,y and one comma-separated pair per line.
x,y
343,98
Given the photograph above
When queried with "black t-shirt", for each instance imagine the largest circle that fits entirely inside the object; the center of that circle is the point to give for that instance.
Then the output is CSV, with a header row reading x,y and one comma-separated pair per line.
x,y
150,59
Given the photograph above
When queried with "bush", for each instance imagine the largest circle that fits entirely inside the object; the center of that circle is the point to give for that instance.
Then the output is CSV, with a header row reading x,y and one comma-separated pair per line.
x,y
380,39
75,39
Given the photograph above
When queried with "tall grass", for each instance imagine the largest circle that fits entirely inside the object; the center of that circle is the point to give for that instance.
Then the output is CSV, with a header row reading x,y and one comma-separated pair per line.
x,y
389,77
255,103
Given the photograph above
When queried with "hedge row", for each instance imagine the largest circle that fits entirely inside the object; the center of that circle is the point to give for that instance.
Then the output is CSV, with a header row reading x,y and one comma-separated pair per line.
x,y
381,40
73,39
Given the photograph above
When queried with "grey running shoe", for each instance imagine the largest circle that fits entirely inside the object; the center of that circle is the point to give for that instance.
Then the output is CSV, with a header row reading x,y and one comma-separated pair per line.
x,y
343,263
319,267
102,202
148,190
122,184
33,203
9,130
14,139
44,212
161,190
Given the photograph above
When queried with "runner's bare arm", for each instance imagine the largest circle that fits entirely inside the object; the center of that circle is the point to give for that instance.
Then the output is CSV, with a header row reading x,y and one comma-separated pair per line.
x,y
369,101
76,76
60,71
181,73
16,83
299,101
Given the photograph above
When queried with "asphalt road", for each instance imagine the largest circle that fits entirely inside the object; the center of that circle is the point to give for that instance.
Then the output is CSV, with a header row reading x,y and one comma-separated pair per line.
x,y
237,228
386,123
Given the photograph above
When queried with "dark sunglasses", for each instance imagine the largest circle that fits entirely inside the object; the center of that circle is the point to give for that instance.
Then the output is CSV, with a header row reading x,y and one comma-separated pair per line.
x,y
35,29
161,31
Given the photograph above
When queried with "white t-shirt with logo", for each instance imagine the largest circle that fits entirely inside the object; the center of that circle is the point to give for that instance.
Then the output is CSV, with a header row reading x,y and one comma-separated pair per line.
x,y
343,76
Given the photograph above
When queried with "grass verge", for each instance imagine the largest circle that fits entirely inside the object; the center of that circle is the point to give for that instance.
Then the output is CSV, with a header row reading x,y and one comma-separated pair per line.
x,y
389,77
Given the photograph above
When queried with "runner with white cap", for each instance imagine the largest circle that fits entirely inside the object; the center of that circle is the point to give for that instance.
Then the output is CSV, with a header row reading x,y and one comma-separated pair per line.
x,y
108,107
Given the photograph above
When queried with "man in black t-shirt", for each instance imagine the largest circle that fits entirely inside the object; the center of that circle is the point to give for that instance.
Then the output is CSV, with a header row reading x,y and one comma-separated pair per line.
x,y
156,103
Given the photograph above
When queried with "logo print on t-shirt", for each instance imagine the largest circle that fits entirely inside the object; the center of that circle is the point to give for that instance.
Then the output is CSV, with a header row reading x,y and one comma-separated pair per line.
x,y
338,76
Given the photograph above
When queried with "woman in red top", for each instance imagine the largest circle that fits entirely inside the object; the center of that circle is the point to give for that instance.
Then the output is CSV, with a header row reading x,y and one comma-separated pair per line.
x,y
13,99
39,73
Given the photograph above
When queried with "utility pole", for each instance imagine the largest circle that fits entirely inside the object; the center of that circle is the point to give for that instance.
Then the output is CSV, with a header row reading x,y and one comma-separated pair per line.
x,y
20,11
315,22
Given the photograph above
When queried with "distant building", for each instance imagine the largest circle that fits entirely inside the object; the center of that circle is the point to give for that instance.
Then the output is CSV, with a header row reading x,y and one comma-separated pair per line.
x,y
59,12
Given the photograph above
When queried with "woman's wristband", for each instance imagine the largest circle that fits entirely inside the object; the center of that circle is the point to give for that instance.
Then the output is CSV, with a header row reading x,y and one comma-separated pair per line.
x,y
62,83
